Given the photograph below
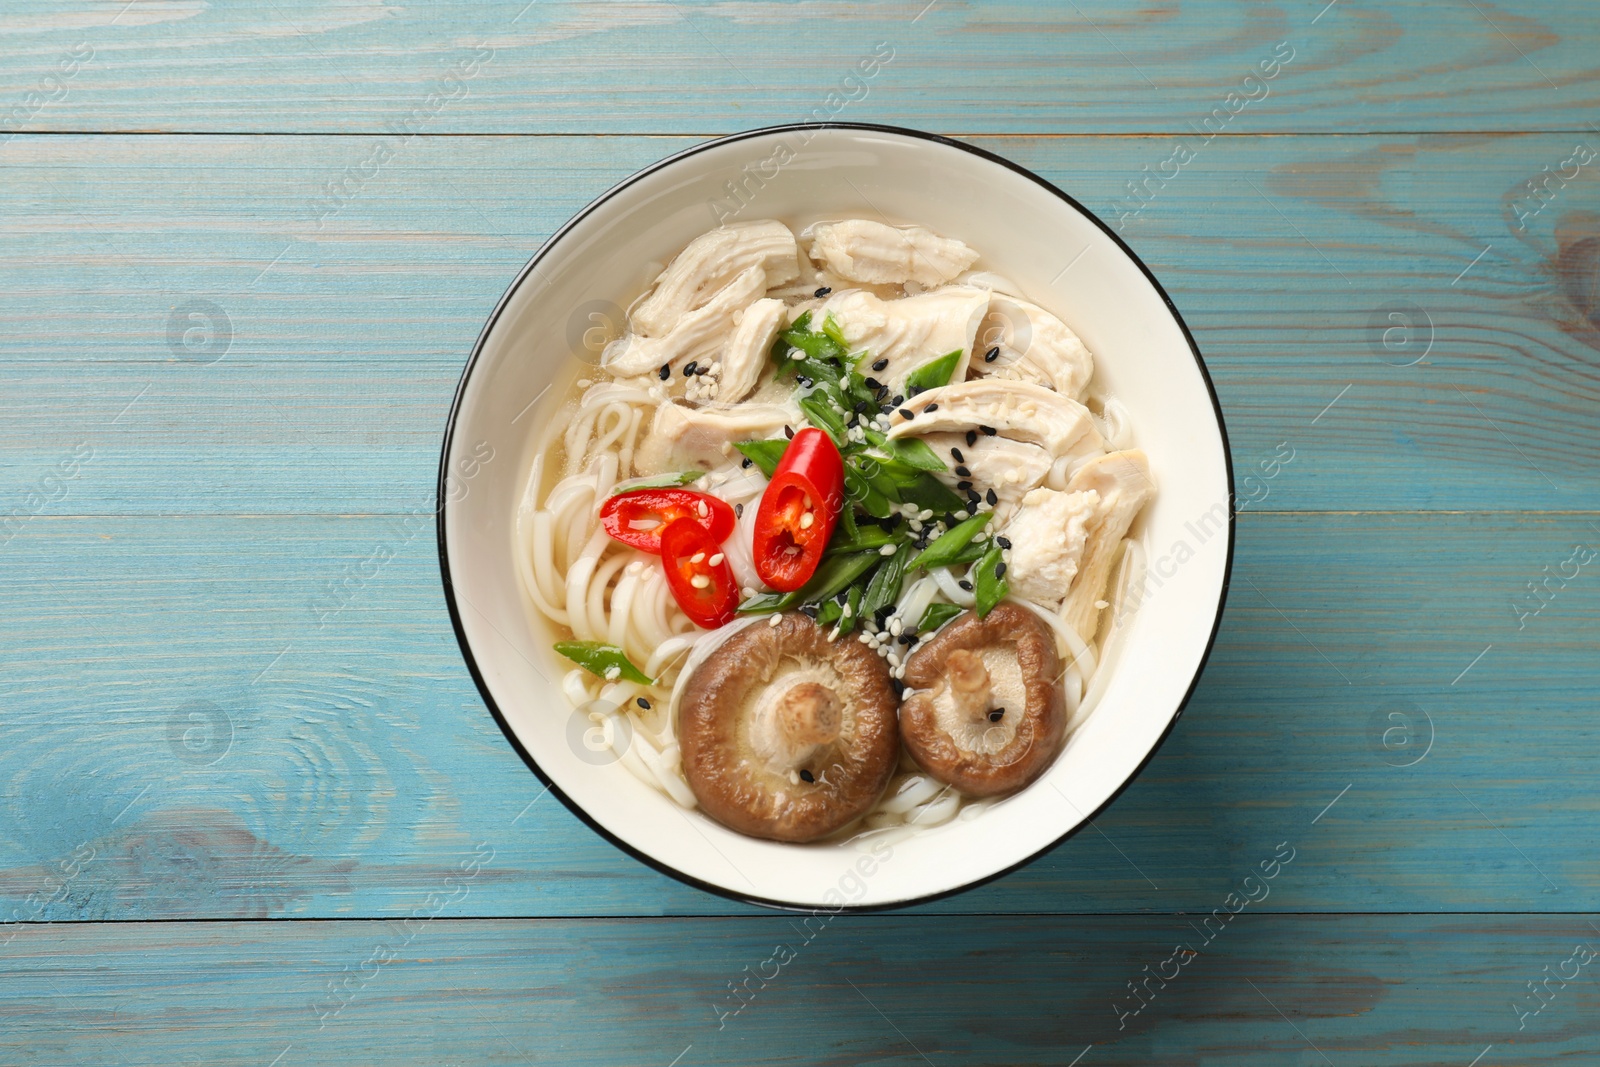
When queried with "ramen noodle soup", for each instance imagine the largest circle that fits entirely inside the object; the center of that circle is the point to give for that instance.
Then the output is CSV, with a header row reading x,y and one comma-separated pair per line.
x,y
838,534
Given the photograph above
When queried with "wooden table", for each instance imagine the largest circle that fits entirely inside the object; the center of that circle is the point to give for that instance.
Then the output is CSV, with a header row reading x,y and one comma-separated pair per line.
x,y
247,248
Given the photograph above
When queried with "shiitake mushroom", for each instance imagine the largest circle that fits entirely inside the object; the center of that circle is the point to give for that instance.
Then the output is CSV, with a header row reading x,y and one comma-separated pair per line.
x,y
786,735
984,710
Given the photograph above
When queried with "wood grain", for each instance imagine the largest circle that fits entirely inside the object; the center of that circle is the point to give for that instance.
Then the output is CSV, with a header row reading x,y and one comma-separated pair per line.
x,y
344,343
340,764
713,66
1391,991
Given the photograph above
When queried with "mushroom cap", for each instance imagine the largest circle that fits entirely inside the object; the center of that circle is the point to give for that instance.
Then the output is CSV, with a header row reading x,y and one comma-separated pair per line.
x,y
775,700
1006,661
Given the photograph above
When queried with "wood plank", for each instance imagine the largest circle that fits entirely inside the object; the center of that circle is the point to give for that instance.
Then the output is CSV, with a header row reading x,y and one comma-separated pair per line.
x,y
340,766
1282,253
1391,991
709,66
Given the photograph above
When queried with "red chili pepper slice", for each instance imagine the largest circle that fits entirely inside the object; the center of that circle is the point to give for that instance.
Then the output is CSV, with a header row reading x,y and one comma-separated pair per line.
x,y
798,511
698,574
639,518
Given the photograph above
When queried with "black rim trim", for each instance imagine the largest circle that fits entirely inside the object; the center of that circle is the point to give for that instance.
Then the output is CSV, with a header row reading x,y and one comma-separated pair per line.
x,y
455,612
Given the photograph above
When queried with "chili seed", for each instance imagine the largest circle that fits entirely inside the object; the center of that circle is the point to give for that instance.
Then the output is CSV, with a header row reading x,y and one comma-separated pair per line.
x,y
643,703
1003,541
688,368
963,583
956,452
788,431
992,355
666,371
997,714
972,438
879,364
1000,569
991,498
962,470
822,292
990,430
807,776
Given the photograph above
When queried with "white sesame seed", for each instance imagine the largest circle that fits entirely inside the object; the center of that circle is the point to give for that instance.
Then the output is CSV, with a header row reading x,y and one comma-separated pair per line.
x,y
916,525
747,591
847,612
886,550
833,634
776,618
925,514
895,628
962,516
865,638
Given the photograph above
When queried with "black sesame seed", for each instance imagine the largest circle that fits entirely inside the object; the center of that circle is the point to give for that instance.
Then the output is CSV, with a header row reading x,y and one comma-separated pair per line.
x,y
972,438
886,408
746,462
963,583
897,401
807,776
666,371
1000,570
963,485
873,384
805,383
689,368
822,292
931,407
788,431
905,413
643,703
913,390
892,521
992,355
907,638
956,452
1003,541
991,498
860,407
990,430
738,511
997,714
972,499
809,611
700,370
961,470
879,364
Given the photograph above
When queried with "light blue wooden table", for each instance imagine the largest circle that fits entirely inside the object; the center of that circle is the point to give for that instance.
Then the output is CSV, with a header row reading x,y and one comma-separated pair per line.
x,y
230,331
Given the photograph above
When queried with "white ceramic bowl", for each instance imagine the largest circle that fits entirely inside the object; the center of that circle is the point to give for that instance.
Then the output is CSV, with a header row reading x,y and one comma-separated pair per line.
x,y
1062,257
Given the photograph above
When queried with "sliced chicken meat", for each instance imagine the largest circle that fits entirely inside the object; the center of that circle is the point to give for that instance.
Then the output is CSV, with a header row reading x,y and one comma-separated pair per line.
x,y
746,354
1122,482
698,335
1018,410
1010,468
909,332
1047,537
1034,346
683,438
710,264
873,253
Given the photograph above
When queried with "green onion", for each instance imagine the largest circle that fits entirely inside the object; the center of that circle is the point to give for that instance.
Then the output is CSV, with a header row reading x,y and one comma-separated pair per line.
x,y
934,374
764,454
658,481
831,577
884,589
944,551
936,616
989,585
870,538
914,452
824,416
930,493
605,661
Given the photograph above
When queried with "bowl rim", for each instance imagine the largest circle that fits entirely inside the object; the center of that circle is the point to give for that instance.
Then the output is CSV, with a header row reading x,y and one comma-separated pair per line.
x,y
442,503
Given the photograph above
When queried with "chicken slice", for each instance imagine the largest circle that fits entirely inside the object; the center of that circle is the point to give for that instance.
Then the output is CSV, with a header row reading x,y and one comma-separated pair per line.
x,y
873,253
709,264
682,438
1047,537
1010,468
698,335
909,332
1034,346
745,355
1021,411
1122,482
